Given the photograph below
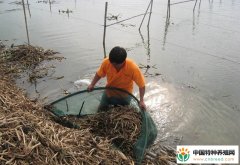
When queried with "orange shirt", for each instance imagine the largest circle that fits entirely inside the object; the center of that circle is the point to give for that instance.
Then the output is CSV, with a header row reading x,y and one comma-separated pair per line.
x,y
123,78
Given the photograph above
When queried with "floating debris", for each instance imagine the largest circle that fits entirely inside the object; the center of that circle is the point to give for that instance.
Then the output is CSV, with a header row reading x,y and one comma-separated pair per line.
x,y
127,25
17,59
158,74
113,17
57,78
190,86
42,1
46,1
147,67
39,72
133,47
65,11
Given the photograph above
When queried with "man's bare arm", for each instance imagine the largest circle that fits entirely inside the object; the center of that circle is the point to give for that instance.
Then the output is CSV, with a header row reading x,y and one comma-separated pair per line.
x,y
142,93
94,81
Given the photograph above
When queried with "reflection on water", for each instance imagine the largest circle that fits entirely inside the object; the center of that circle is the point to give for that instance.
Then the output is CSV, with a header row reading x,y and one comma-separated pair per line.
x,y
163,109
50,5
165,32
210,4
185,116
198,14
191,61
146,44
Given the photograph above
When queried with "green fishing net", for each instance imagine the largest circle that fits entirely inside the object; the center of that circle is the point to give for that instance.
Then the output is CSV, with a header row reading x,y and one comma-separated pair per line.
x,y
84,103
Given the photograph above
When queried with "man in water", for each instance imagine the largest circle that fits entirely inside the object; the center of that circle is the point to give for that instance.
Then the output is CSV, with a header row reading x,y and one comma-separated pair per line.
x,y
120,72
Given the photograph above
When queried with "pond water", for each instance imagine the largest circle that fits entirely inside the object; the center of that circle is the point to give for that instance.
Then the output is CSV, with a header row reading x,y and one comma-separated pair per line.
x,y
193,83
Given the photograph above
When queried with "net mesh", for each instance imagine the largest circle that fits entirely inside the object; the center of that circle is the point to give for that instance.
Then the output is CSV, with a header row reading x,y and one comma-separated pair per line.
x,y
109,112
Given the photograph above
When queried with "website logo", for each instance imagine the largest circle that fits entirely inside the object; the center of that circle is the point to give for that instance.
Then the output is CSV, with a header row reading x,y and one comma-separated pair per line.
x,y
207,154
183,154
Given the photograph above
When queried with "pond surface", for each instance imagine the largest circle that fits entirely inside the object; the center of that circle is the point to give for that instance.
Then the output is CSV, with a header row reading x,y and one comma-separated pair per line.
x,y
193,83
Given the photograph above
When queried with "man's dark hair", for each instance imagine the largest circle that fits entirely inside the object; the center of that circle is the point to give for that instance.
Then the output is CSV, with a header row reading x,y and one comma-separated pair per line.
x,y
117,55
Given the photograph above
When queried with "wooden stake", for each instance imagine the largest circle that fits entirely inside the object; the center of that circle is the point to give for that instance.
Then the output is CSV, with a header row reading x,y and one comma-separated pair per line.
x,y
29,9
25,21
150,13
168,9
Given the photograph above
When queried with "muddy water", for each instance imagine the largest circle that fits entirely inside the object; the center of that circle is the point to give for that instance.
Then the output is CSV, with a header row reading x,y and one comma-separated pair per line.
x,y
193,83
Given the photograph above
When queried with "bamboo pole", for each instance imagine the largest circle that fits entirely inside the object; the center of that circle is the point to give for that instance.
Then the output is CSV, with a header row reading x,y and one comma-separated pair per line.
x,y
150,12
25,21
168,9
144,15
29,9
104,33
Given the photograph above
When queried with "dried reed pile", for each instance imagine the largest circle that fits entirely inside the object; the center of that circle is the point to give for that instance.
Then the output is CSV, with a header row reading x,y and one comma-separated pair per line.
x,y
27,133
28,136
122,125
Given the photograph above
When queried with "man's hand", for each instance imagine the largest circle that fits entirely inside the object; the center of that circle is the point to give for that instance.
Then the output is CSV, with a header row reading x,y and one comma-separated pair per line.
x,y
90,88
94,81
142,105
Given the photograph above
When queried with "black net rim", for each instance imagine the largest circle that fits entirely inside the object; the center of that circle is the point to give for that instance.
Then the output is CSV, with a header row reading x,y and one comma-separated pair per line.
x,y
95,89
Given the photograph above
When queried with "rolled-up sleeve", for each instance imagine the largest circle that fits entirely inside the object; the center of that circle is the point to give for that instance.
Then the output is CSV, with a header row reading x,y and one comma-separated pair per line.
x,y
101,72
